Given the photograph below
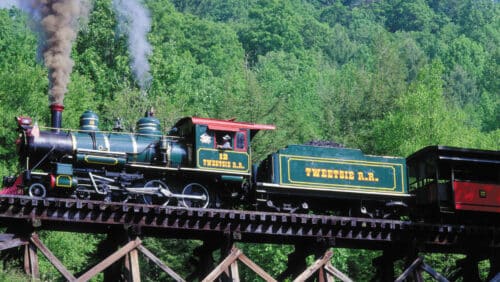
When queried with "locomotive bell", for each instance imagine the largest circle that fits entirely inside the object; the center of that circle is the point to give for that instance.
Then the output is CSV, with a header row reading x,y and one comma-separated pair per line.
x,y
89,121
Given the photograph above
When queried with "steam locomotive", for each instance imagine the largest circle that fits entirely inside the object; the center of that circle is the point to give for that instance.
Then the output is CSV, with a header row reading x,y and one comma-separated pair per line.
x,y
204,162
190,166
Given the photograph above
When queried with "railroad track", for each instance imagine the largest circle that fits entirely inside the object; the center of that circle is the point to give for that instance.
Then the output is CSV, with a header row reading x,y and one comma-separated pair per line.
x,y
242,225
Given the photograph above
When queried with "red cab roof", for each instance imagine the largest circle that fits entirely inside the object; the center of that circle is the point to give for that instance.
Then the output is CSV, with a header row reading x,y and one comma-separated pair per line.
x,y
230,125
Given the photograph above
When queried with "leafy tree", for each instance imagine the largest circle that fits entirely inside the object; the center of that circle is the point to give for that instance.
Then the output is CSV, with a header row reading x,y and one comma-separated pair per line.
x,y
466,53
216,10
289,85
100,54
423,118
12,275
74,250
410,16
336,13
272,258
273,26
489,111
340,48
473,15
461,87
175,253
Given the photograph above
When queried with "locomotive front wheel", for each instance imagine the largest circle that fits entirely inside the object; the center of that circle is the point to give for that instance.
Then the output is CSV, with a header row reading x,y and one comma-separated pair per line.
x,y
37,190
148,199
195,196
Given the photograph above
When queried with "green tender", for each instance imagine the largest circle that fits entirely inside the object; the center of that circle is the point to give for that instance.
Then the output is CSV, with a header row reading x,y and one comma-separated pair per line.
x,y
339,169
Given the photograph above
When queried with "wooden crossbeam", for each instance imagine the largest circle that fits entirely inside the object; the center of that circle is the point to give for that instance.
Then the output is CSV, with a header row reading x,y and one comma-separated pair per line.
x,y
235,272
233,256
314,267
109,260
336,273
13,243
230,261
419,265
160,264
425,267
52,259
132,266
323,263
130,250
6,236
31,262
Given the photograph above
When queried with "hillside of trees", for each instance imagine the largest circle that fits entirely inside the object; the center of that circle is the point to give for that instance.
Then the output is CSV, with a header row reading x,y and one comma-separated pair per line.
x,y
388,77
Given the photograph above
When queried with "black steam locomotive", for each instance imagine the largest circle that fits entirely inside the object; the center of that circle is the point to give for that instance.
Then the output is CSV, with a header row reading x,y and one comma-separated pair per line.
x,y
201,162
204,162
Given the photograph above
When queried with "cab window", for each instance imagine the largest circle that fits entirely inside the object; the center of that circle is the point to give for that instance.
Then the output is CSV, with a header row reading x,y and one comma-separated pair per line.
x,y
241,141
224,140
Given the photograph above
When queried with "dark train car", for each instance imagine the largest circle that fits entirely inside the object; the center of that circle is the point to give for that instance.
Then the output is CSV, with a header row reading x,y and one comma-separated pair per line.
x,y
452,183
333,179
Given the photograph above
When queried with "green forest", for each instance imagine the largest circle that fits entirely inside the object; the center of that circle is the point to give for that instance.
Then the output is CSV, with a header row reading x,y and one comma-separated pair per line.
x,y
387,77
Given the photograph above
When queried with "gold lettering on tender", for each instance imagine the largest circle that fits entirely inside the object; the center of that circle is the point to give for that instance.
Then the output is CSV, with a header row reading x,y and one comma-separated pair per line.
x,y
361,176
371,176
340,174
333,174
308,171
351,175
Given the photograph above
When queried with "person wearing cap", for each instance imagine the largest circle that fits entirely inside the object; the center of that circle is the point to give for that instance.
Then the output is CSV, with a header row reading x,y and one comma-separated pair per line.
x,y
226,142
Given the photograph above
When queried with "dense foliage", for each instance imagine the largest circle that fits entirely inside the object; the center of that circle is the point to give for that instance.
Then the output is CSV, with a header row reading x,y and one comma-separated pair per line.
x,y
388,77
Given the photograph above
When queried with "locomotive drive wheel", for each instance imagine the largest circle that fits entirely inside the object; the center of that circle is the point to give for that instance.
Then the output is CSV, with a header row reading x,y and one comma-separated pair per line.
x,y
37,190
198,190
148,199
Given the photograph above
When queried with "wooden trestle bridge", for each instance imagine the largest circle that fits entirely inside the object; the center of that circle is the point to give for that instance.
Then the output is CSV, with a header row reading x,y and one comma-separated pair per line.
x,y
218,229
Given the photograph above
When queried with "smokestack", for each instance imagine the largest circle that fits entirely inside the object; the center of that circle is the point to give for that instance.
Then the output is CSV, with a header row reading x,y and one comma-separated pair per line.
x,y
56,116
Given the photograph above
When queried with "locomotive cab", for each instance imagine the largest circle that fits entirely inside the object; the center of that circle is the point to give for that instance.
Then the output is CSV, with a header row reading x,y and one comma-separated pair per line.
x,y
219,153
454,181
218,145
